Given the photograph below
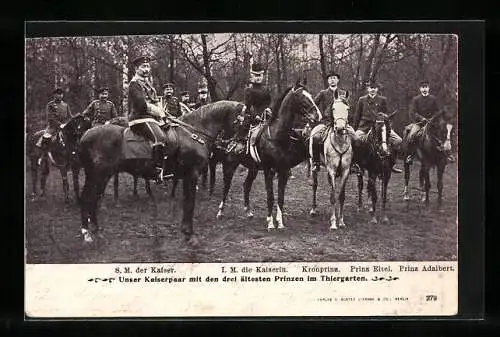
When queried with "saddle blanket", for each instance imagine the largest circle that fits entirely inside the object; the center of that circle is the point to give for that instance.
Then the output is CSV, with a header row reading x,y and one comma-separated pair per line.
x,y
253,134
135,146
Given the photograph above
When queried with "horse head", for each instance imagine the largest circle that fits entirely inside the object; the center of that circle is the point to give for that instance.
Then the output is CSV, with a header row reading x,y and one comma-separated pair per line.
x,y
382,129
340,112
440,128
299,98
73,130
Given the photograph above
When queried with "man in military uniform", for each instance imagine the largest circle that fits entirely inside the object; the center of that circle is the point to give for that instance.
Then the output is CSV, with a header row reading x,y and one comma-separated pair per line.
x,y
101,110
184,103
57,114
364,118
202,96
145,112
324,100
257,97
169,102
422,108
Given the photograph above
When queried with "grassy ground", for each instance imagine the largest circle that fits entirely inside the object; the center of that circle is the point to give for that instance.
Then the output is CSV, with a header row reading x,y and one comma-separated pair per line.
x,y
135,228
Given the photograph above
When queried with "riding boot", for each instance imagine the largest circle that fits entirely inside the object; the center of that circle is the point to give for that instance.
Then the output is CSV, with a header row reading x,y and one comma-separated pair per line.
x,y
158,162
316,159
394,168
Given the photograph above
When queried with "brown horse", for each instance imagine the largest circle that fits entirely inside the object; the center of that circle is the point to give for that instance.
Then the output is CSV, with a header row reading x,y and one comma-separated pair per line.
x,y
62,154
189,143
279,149
376,155
433,142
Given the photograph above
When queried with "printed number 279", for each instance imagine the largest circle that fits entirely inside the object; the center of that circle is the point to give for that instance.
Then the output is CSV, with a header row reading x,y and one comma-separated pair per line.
x,y
431,298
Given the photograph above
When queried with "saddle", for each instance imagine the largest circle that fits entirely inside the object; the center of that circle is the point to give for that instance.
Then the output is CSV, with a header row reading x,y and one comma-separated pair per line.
x,y
137,147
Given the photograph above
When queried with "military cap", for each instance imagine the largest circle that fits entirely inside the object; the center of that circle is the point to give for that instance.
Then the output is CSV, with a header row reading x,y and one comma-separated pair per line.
x,y
257,68
423,83
168,85
140,60
185,93
58,91
333,73
101,89
203,90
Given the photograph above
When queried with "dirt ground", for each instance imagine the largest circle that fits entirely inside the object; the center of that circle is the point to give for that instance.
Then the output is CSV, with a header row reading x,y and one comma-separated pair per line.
x,y
134,228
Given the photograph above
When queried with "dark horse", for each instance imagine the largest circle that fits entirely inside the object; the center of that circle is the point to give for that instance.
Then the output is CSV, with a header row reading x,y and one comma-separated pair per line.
x,y
62,153
279,148
375,155
189,142
433,141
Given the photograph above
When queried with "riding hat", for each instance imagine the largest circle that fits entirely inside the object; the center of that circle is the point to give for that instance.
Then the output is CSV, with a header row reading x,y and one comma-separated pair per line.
x,y
168,85
257,69
373,84
333,73
203,90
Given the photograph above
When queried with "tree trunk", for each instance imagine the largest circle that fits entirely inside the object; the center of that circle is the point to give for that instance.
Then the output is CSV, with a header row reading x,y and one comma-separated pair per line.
x,y
368,73
284,74
322,60
278,66
211,81
171,56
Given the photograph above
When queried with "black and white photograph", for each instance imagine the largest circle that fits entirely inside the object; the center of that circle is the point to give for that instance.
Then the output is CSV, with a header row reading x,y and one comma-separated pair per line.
x,y
224,159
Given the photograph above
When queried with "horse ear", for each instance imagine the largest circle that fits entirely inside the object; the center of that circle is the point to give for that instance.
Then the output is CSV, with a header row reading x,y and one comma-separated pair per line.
x,y
297,83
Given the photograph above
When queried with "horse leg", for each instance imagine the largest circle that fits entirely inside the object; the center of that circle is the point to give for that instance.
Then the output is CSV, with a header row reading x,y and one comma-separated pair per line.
x,y
228,169
313,211
360,191
34,177
75,172
268,179
189,186
282,180
64,176
175,181
92,190
147,186
406,194
372,191
204,175
247,187
116,180
136,181
212,165
44,174
331,181
341,197
421,178
385,183
427,184
440,172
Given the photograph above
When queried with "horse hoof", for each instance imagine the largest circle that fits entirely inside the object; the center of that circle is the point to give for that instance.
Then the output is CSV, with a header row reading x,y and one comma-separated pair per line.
x,y
341,224
333,227
386,220
87,238
281,226
313,212
373,221
219,215
193,241
249,215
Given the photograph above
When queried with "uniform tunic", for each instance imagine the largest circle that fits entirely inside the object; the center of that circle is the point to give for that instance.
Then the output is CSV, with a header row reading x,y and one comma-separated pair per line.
x,y
423,107
57,113
171,105
100,112
257,99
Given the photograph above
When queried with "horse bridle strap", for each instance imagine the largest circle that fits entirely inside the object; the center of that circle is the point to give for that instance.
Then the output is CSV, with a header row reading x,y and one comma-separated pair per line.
x,y
191,128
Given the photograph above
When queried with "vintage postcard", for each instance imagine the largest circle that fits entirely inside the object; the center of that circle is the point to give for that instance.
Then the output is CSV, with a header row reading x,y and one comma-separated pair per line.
x,y
241,175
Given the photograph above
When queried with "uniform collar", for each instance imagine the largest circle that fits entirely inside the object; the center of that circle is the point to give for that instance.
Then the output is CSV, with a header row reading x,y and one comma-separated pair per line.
x,y
333,89
372,96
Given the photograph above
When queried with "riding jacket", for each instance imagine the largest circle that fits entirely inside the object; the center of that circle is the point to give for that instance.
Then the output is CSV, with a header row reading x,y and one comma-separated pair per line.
x,y
324,100
366,109
423,107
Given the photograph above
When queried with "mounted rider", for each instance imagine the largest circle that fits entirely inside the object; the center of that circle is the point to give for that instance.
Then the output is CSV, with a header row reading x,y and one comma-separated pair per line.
x,y
170,103
364,118
202,95
184,103
422,108
257,97
145,116
101,110
57,114
324,100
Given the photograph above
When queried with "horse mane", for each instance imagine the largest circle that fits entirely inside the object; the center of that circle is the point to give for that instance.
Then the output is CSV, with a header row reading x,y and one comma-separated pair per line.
x,y
278,103
198,115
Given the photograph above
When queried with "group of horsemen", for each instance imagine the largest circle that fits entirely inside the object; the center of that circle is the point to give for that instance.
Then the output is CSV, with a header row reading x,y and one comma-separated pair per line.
x,y
148,111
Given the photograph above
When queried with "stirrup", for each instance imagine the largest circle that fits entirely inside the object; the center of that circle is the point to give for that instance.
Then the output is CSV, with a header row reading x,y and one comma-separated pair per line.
x,y
409,159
